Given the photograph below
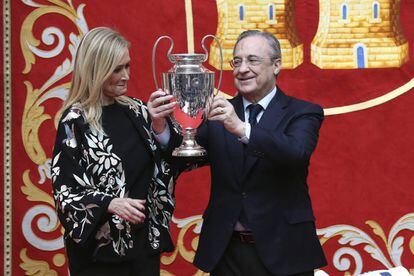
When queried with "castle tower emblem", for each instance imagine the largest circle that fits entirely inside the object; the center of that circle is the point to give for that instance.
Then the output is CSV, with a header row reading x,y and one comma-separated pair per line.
x,y
359,34
276,17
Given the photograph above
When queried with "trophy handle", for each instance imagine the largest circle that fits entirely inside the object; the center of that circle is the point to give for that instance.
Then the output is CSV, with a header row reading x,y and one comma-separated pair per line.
x,y
221,57
154,49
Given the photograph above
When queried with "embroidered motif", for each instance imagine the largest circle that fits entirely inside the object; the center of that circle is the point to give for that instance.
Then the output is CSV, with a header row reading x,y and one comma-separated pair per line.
x,y
96,175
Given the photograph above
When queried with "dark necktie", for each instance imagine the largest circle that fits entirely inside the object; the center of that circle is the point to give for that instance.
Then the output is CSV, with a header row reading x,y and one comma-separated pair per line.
x,y
254,110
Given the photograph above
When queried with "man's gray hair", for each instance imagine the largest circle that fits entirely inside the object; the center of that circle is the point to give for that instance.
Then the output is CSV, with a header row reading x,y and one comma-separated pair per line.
x,y
270,38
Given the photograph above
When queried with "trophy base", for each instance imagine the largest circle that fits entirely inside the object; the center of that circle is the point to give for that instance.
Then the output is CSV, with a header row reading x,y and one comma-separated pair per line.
x,y
189,146
189,152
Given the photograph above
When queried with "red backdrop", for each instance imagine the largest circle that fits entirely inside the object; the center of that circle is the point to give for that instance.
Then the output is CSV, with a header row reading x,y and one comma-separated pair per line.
x,y
361,180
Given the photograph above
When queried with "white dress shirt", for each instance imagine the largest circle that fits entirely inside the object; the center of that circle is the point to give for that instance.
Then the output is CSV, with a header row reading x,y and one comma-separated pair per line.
x,y
264,103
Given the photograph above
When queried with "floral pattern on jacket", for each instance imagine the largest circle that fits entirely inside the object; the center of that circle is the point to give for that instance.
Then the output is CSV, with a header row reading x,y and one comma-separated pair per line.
x,y
87,174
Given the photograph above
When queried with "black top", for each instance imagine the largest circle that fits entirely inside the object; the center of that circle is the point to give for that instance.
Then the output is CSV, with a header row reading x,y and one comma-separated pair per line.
x,y
135,156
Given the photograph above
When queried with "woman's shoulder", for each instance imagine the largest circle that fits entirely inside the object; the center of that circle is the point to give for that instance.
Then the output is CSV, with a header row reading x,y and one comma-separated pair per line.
x,y
73,114
138,102
136,105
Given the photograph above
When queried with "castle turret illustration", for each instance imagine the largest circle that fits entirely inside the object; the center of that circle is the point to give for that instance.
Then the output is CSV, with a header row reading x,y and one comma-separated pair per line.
x,y
359,34
276,17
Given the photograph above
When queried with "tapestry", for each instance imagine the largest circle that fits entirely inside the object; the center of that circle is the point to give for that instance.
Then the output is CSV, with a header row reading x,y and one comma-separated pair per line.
x,y
353,57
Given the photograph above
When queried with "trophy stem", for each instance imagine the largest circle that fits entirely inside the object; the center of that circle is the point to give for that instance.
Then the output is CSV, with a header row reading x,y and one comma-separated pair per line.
x,y
189,146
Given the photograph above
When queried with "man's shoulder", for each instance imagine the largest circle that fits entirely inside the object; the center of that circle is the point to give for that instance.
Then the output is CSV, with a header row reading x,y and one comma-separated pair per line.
x,y
304,105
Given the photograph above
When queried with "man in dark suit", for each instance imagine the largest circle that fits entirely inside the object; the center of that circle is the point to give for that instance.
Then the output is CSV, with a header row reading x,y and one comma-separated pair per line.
x,y
259,218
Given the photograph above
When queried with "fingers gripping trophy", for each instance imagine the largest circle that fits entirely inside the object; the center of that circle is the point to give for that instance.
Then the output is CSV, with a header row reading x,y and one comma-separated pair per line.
x,y
192,85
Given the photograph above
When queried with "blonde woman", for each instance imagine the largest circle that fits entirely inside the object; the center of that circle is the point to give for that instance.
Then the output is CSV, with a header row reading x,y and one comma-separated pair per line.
x,y
112,186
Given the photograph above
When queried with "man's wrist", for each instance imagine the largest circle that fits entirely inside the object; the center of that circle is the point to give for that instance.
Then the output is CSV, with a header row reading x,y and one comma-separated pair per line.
x,y
244,137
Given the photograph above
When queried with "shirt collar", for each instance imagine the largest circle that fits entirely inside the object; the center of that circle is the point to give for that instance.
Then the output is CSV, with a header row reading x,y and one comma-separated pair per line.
x,y
263,102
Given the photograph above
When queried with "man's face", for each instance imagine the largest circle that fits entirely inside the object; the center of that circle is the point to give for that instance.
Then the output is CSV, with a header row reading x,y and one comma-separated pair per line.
x,y
254,79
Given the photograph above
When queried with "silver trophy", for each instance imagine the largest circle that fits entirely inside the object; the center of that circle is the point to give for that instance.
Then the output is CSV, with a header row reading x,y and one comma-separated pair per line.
x,y
192,86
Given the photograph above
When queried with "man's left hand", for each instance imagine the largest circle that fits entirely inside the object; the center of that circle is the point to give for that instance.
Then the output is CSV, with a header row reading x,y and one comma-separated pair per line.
x,y
223,111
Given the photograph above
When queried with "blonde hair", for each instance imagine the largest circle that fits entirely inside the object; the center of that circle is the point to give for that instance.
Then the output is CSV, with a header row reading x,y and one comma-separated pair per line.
x,y
97,56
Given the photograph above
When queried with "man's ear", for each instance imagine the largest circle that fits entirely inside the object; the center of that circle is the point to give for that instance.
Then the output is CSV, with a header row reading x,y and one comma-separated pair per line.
x,y
278,66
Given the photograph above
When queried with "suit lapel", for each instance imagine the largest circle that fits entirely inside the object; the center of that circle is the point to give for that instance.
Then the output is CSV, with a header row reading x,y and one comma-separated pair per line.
x,y
234,146
269,120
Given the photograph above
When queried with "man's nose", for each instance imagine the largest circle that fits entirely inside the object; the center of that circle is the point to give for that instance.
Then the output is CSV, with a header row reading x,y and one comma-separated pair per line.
x,y
244,67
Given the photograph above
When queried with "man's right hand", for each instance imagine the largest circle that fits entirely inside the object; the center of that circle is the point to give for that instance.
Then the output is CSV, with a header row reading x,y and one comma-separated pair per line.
x,y
160,106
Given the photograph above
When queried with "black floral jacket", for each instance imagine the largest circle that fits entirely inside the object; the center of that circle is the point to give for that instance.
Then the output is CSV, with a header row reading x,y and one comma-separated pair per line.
x,y
87,173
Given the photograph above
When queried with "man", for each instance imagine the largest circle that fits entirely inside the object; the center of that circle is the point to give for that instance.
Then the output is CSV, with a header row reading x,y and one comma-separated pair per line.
x,y
259,219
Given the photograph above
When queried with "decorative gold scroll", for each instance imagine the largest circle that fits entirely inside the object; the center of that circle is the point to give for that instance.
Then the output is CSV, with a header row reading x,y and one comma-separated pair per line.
x,y
34,116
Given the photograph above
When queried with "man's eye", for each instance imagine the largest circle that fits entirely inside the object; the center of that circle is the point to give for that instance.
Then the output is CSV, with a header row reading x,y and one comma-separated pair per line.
x,y
237,61
254,60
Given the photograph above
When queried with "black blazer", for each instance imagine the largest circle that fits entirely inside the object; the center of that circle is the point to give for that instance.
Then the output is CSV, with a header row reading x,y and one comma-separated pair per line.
x,y
87,173
271,187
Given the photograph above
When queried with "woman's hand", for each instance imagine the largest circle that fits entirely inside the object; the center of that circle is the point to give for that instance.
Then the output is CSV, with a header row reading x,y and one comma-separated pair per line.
x,y
128,209
160,106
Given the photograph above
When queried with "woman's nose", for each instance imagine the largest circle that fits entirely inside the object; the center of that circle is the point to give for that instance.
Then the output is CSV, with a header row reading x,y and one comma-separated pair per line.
x,y
125,74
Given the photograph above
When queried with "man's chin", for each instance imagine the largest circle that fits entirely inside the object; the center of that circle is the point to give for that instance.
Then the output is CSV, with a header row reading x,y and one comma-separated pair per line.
x,y
244,89
245,92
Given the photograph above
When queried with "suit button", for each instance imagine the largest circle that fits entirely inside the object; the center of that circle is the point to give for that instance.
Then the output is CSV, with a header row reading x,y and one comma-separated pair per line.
x,y
244,195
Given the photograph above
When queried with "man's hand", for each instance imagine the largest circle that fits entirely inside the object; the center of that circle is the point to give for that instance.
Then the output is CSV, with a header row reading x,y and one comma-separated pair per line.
x,y
128,209
160,106
221,110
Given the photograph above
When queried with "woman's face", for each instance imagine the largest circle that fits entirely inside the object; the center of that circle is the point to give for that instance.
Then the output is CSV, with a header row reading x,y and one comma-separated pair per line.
x,y
116,84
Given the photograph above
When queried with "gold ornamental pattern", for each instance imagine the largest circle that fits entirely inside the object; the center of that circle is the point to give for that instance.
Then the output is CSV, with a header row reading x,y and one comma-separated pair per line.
x,y
42,214
385,249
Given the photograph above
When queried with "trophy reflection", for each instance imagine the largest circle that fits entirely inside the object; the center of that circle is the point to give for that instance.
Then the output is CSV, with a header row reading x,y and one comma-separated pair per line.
x,y
192,85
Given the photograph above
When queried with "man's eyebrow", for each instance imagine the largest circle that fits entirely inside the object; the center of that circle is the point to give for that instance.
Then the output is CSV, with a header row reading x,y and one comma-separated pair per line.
x,y
249,56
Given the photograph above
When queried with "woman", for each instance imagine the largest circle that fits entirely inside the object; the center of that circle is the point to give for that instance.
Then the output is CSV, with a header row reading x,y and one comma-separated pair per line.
x,y
112,186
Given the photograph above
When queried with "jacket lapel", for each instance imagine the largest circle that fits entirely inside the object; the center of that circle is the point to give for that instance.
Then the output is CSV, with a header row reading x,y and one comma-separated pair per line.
x,y
142,126
269,120
234,146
